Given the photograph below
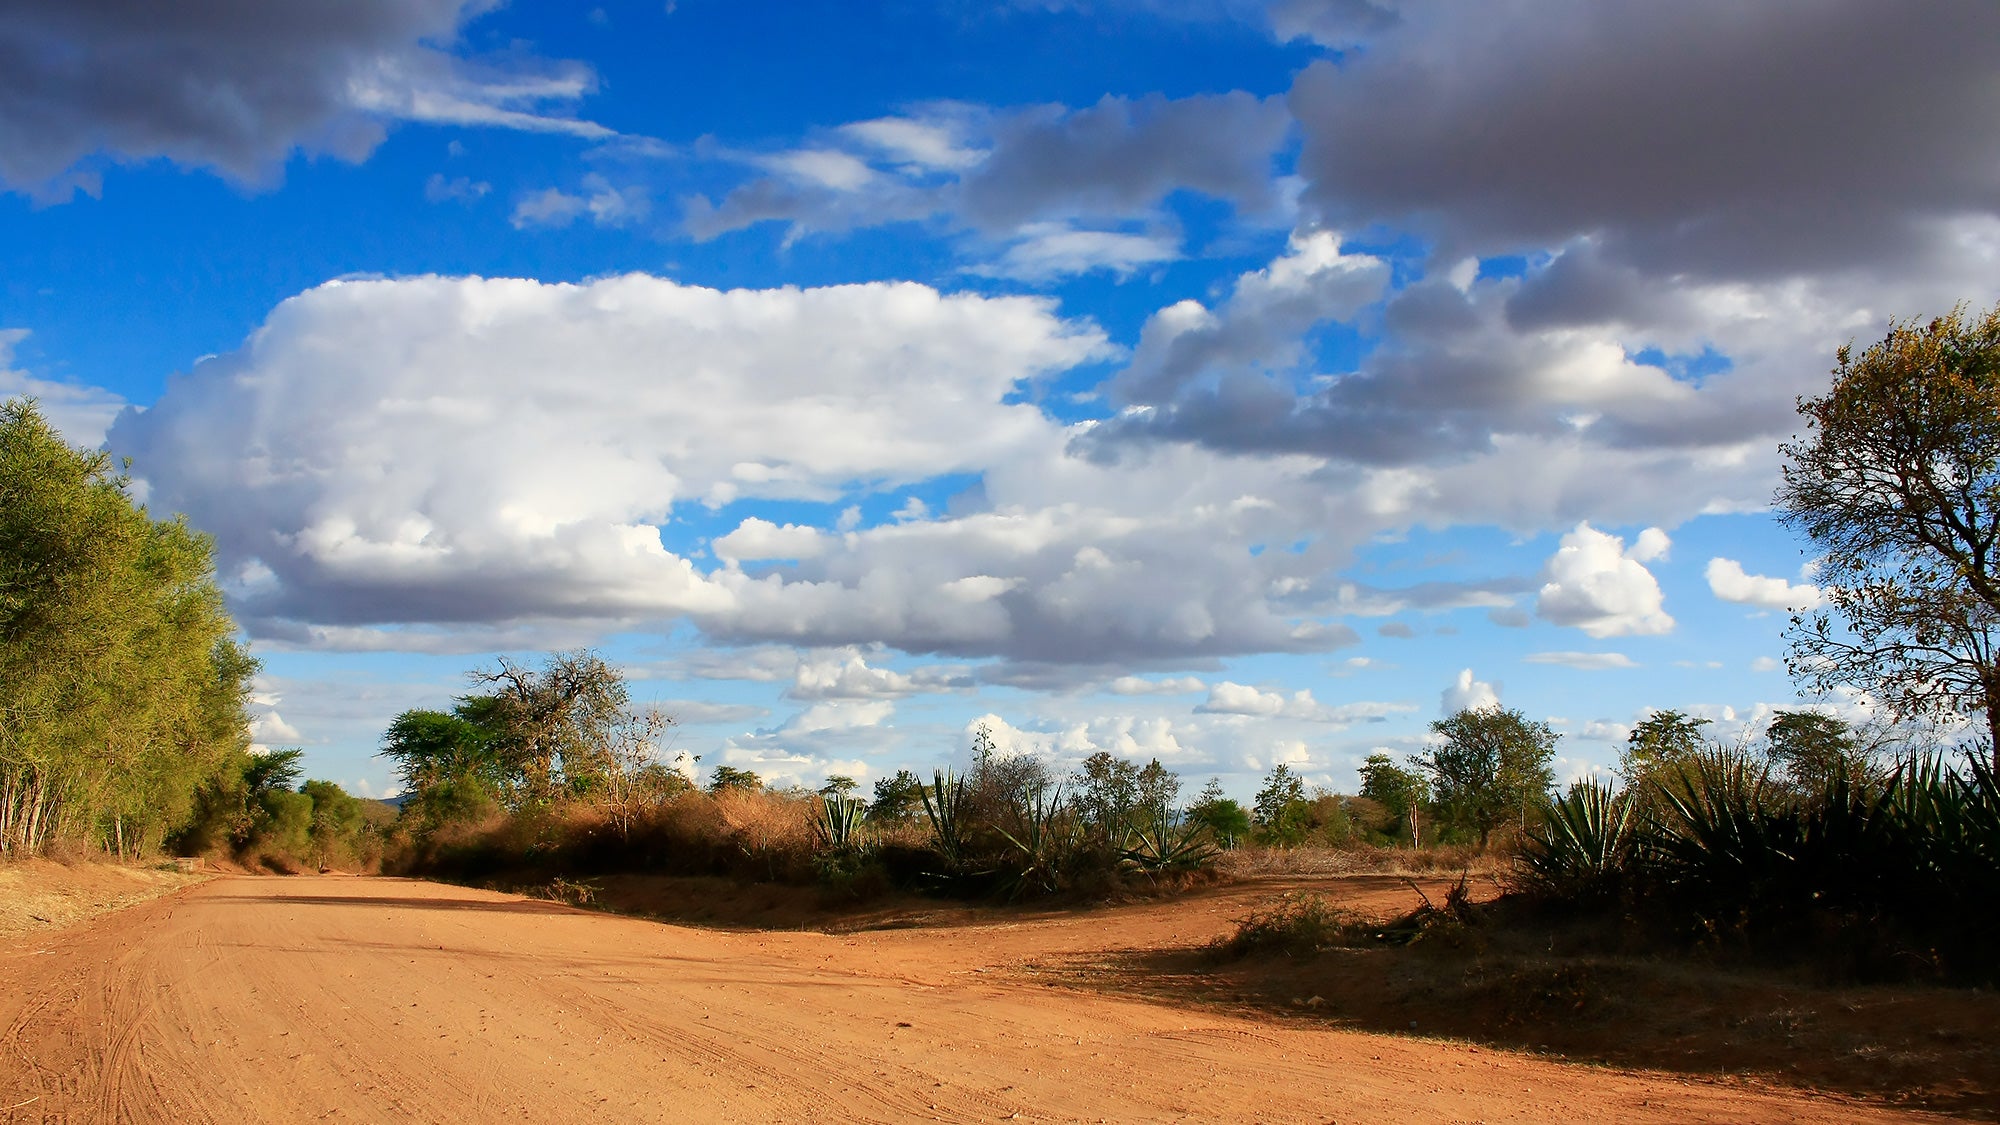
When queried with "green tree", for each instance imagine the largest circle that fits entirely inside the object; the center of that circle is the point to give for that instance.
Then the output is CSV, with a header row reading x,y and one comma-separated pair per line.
x,y
1281,808
122,692
838,785
1107,790
898,798
551,728
729,777
1811,749
1897,489
1661,739
445,764
1226,820
1400,790
1489,766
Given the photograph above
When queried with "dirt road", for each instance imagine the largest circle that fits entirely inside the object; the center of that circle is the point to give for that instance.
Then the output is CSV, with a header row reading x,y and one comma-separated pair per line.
x,y
348,999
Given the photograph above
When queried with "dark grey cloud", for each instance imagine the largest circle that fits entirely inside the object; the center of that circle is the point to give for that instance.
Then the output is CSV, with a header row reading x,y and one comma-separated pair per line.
x,y
237,85
1452,375
1124,155
996,172
1714,137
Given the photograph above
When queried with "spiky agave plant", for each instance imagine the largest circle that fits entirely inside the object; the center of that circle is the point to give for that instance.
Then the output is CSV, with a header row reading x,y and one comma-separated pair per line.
x,y
837,822
1582,849
1711,838
1038,840
946,802
1168,844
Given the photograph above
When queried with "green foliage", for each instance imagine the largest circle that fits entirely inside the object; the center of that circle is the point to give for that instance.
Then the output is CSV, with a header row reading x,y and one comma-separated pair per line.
x,y
838,821
1897,488
1400,790
121,690
1900,873
1581,848
1663,739
1298,925
1163,847
947,803
445,764
1810,749
1227,821
729,777
1044,835
1490,765
839,785
551,730
1281,809
898,798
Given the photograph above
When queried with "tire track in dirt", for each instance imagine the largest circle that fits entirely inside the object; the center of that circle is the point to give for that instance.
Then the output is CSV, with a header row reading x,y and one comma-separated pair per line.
x,y
387,1000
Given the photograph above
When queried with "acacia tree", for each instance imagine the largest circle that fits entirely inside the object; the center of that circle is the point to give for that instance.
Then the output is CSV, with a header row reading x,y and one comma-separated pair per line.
x,y
1897,488
1488,766
551,728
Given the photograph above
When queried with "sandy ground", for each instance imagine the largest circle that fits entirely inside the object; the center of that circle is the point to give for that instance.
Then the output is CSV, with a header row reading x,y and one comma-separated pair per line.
x,y
357,999
39,896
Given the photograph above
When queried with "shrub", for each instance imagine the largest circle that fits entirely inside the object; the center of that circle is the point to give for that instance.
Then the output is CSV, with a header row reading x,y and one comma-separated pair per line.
x,y
1297,925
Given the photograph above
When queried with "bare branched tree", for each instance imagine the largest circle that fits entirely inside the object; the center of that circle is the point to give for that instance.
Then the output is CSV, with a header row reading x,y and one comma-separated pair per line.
x,y
1897,488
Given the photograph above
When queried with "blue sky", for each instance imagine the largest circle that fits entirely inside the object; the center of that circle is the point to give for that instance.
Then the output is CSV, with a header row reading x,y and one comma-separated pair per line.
x,y
1232,381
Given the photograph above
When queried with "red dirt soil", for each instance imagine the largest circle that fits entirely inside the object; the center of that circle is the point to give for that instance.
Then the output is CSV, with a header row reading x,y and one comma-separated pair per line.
x,y
340,998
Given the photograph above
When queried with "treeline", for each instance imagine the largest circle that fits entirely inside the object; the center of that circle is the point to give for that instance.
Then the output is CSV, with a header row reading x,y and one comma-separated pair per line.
x,y
548,769
122,690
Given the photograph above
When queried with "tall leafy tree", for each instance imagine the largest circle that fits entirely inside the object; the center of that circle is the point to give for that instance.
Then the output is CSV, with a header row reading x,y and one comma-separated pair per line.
x,y
1489,766
121,687
1661,739
550,728
1281,807
1897,488
1400,790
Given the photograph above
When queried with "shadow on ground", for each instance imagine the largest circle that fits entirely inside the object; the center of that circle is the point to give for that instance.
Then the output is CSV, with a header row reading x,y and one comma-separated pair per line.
x,y
1920,1047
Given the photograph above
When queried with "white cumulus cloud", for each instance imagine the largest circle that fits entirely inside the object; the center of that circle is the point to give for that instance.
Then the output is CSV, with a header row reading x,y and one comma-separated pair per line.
x,y
1597,586
1468,694
1728,581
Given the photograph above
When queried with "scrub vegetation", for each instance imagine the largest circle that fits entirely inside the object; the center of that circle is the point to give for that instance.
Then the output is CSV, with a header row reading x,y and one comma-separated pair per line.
x,y
123,727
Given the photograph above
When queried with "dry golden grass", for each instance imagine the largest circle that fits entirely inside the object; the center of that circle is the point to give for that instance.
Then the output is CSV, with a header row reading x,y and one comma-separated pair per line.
x,y
43,896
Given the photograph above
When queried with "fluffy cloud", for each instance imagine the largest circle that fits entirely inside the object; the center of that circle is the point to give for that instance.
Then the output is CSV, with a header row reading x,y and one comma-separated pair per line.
x,y
465,452
1727,580
847,675
441,448
1468,694
1228,698
1045,179
606,206
1260,326
213,83
1045,251
1139,685
1597,586
755,539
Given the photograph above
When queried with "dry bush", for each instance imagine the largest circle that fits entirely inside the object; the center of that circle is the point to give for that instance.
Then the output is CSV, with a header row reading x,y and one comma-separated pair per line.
x,y
1247,862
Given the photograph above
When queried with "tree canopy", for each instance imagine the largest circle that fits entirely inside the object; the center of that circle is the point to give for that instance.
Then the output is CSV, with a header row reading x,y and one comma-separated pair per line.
x,y
1897,489
122,688
1489,765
